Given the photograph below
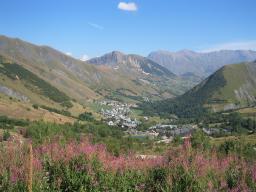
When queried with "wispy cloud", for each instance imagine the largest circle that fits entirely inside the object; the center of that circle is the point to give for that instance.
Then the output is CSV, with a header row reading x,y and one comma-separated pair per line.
x,y
127,6
96,26
241,45
84,57
68,53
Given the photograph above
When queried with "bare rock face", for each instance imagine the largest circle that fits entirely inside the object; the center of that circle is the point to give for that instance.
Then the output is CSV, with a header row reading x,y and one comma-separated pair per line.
x,y
111,59
131,63
243,93
11,93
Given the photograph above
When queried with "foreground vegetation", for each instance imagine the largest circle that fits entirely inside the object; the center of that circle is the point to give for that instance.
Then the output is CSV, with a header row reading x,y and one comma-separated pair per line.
x,y
82,166
91,156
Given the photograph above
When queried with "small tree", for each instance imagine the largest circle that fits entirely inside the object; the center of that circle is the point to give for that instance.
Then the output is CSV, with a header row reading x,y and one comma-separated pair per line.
x,y
35,106
200,140
233,176
6,135
86,116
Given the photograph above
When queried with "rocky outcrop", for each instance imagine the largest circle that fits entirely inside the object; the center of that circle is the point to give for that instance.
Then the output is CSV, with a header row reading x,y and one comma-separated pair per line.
x,y
11,93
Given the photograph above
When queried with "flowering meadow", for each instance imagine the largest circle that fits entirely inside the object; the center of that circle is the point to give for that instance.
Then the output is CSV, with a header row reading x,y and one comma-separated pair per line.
x,y
82,166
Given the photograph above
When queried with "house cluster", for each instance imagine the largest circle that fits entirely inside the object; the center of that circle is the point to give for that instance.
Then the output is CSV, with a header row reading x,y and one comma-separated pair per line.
x,y
164,132
118,114
215,131
172,130
136,133
208,131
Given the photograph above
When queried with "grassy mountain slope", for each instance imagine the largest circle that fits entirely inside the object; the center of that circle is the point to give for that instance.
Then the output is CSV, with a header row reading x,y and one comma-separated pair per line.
x,y
16,72
240,86
20,89
233,86
20,83
16,109
53,66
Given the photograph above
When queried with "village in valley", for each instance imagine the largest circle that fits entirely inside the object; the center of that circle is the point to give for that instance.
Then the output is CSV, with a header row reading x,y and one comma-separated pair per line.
x,y
120,114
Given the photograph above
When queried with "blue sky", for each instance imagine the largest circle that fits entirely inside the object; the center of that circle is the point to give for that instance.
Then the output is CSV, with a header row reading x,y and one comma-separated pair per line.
x,y
94,27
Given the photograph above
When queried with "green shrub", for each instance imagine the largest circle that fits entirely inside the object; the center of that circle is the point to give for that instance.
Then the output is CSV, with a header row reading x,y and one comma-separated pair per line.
x,y
67,104
250,180
7,186
62,112
200,140
238,147
157,180
183,180
71,177
6,135
9,123
227,147
233,176
177,140
35,106
86,116
41,131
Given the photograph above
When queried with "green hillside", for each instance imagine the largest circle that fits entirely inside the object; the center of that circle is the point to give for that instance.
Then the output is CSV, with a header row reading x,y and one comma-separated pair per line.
x,y
231,87
50,65
240,87
32,82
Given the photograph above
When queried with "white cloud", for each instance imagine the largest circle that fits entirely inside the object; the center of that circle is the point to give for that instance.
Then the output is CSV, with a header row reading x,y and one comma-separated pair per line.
x,y
242,45
96,26
84,57
127,6
68,53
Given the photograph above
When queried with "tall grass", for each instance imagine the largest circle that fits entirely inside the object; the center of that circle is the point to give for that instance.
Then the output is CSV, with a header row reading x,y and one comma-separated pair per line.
x,y
30,168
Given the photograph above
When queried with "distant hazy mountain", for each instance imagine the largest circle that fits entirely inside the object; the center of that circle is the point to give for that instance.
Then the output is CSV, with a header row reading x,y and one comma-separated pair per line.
x,y
202,64
131,63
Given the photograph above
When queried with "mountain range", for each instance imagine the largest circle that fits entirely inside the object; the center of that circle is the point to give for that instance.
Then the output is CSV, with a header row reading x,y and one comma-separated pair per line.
x,y
32,74
114,75
201,64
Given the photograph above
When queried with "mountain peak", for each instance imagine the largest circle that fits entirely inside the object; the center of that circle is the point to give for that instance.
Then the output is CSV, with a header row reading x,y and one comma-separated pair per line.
x,y
131,64
186,51
118,53
112,58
